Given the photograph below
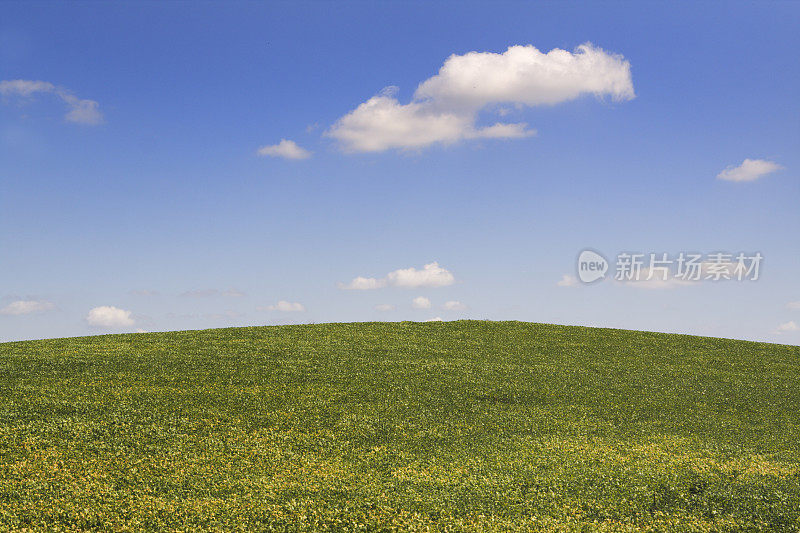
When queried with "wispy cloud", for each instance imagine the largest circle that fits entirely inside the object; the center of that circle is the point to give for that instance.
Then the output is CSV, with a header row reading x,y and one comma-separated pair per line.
x,y
445,107
749,170
143,292
568,281
787,327
27,307
454,305
80,111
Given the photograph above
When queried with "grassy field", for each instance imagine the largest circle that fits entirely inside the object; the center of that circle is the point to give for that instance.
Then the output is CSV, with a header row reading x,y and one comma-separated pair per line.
x,y
410,426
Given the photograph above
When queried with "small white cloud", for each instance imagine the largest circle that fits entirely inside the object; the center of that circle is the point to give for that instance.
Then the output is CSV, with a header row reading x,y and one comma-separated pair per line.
x,y
140,330
27,307
454,305
81,111
435,319
286,149
793,305
108,316
431,275
749,170
445,107
285,307
568,281
385,307
420,302
361,283
787,327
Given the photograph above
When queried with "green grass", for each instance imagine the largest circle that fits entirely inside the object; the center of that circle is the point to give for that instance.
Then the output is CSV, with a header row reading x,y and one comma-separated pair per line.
x,y
408,426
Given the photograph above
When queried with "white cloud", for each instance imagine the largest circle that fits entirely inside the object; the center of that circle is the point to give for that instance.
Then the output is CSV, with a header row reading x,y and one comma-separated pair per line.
x,y
749,170
454,305
435,319
420,302
108,316
524,75
385,307
363,284
431,275
286,149
787,327
793,305
285,307
445,108
568,281
80,111
27,307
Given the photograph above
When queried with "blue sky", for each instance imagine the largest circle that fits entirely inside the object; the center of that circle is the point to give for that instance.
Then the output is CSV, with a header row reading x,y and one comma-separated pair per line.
x,y
151,205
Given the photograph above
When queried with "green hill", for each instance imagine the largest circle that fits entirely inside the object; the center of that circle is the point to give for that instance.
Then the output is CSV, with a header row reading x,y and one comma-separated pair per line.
x,y
444,426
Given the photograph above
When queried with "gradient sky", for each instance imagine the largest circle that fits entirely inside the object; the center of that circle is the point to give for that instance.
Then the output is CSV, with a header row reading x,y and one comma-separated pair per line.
x,y
160,206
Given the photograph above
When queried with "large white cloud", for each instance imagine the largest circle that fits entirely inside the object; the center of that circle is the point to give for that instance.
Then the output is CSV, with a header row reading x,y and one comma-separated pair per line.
x,y
27,307
108,316
524,75
445,107
749,170
80,110
286,149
